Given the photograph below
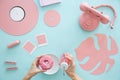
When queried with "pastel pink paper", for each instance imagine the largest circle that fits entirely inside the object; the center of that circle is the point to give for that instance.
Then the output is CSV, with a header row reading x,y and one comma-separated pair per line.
x,y
43,60
29,47
87,49
48,2
24,26
52,18
41,39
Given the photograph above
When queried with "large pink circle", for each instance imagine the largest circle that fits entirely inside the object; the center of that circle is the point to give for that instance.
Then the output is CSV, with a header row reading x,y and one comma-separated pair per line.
x,y
20,27
52,18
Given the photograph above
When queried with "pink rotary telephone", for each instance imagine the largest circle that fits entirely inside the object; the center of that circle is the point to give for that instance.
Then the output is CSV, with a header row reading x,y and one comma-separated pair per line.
x,y
90,19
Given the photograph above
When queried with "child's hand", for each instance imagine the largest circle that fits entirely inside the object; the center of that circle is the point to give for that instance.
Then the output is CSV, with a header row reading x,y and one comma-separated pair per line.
x,y
33,70
71,69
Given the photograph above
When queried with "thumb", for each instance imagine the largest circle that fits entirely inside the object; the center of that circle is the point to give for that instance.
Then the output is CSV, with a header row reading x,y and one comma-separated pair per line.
x,y
40,70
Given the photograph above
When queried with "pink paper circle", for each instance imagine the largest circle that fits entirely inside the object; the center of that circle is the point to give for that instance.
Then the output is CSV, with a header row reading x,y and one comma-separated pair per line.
x,y
52,18
20,27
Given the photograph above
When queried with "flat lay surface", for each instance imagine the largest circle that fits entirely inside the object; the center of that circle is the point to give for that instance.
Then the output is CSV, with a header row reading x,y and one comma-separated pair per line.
x,y
96,52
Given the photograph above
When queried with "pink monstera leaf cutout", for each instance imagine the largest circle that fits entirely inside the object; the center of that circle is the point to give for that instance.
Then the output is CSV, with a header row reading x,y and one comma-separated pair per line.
x,y
87,49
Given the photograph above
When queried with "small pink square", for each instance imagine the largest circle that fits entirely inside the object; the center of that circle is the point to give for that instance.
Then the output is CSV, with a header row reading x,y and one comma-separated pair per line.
x,y
41,39
29,47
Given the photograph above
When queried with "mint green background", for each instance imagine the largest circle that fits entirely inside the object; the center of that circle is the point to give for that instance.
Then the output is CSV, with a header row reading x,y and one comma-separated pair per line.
x,y
65,37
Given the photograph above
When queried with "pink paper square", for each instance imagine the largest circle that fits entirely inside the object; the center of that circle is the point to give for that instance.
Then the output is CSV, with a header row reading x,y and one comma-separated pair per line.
x,y
48,2
41,39
29,47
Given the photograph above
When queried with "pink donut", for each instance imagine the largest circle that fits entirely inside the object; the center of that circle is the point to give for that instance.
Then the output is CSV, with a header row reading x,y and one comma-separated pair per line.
x,y
46,62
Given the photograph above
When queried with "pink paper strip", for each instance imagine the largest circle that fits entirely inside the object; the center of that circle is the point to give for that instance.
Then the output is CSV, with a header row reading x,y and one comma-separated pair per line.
x,y
12,68
10,62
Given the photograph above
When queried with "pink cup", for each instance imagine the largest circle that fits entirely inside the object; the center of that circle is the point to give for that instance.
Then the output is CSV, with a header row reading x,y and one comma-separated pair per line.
x,y
64,59
64,62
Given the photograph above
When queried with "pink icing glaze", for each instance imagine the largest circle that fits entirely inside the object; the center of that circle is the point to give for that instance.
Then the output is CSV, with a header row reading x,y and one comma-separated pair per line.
x,y
87,49
46,62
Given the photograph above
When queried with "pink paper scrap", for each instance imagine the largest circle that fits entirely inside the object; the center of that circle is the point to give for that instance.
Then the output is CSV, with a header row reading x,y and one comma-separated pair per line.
x,y
41,39
29,47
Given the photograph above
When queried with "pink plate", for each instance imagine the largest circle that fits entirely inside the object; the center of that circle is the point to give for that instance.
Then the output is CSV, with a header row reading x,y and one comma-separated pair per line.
x,y
52,18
